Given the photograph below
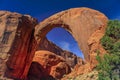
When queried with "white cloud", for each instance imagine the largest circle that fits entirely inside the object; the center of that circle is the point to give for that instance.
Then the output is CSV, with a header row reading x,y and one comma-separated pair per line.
x,y
71,47
75,49
65,45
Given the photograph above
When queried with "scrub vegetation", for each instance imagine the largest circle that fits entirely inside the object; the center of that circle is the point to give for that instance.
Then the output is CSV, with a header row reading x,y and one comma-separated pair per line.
x,y
109,64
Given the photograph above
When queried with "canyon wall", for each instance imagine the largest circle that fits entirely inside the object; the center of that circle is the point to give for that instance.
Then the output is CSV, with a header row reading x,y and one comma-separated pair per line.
x,y
15,35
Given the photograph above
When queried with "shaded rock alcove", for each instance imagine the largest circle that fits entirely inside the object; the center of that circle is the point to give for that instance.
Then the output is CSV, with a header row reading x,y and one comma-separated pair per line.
x,y
87,26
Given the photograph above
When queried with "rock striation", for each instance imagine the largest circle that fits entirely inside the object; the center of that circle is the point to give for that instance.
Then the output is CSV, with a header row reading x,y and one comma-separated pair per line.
x,y
50,64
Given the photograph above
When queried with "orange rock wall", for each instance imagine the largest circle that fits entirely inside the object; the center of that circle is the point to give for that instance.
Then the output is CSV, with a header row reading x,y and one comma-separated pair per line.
x,y
16,42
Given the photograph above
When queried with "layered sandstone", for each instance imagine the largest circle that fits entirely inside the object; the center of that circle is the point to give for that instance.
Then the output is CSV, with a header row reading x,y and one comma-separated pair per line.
x,y
51,65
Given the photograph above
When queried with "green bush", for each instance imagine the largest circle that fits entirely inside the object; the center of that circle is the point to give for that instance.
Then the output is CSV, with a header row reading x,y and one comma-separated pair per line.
x,y
107,42
110,63
113,29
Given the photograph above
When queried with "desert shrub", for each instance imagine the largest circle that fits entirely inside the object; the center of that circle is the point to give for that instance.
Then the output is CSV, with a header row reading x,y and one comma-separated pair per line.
x,y
109,65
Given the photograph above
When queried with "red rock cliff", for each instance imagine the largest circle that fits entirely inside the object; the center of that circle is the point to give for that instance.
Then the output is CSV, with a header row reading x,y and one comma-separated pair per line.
x,y
16,31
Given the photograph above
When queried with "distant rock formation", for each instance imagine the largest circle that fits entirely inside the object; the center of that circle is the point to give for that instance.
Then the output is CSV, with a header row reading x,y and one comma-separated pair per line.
x,y
50,64
70,57
20,37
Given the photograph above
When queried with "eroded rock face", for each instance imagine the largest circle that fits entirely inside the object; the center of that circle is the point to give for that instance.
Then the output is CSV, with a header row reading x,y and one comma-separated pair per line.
x,y
15,34
69,57
51,65
8,25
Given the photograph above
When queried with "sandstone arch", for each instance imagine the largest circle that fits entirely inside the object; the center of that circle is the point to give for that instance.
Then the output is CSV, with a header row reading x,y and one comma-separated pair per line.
x,y
80,22
85,25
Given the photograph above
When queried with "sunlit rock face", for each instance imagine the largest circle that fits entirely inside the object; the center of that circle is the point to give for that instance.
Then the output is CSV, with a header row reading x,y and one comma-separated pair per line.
x,y
8,26
21,37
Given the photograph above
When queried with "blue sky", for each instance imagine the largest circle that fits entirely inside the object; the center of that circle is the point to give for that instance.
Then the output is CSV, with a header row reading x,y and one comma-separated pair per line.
x,y
65,40
42,9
